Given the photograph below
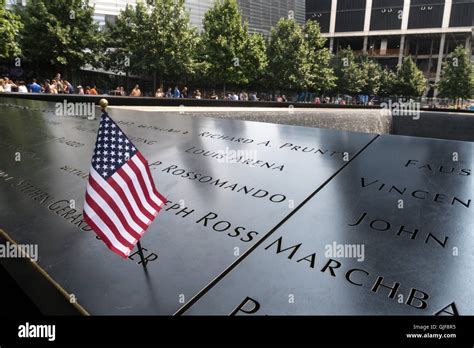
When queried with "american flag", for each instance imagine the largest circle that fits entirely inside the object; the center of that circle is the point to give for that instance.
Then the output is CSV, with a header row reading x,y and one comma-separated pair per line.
x,y
121,198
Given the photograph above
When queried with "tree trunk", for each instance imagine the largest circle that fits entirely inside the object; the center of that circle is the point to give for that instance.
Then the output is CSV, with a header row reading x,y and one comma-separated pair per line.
x,y
224,89
127,82
71,76
154,82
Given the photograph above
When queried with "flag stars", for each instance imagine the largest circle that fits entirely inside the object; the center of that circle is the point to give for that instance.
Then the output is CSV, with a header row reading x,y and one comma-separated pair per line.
x,y
113,149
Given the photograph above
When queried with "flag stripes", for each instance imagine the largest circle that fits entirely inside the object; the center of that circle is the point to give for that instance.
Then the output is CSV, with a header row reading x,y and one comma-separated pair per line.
x,y
121,198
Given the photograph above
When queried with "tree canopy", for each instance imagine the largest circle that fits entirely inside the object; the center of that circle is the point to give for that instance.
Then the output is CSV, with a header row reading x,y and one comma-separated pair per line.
x,y
287,55
372,72
59,33
10,26
320,77
457,75
153,38
350,77
230,53
410,81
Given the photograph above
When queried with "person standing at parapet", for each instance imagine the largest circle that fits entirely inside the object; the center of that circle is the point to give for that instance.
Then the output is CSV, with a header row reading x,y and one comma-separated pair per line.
x,y
136,91
68,88
93,90
159,93
176,93
8,85
34,87
22,87
184,92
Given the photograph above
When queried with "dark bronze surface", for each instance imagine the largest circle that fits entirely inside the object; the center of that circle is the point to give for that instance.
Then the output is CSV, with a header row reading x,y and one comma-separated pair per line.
x,y
417,195
184,255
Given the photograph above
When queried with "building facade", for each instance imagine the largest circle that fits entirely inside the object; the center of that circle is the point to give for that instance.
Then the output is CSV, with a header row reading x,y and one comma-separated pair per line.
x,y
390,30
106,10
261,15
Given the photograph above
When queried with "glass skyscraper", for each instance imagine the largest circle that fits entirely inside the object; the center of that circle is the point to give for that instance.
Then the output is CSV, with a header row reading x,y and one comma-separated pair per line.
x,y
260,14
197,9
389,30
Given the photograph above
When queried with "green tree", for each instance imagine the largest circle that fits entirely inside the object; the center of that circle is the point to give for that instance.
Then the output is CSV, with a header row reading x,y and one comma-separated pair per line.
x,y
350,76
387,80
59,33
456,77
230,54
409,81
372,73
10,26
254,59
288,66
154,37
119,42
320,73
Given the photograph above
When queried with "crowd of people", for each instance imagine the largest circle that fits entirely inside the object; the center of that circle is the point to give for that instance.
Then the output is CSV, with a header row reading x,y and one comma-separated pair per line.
x,y
176,92
58,85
